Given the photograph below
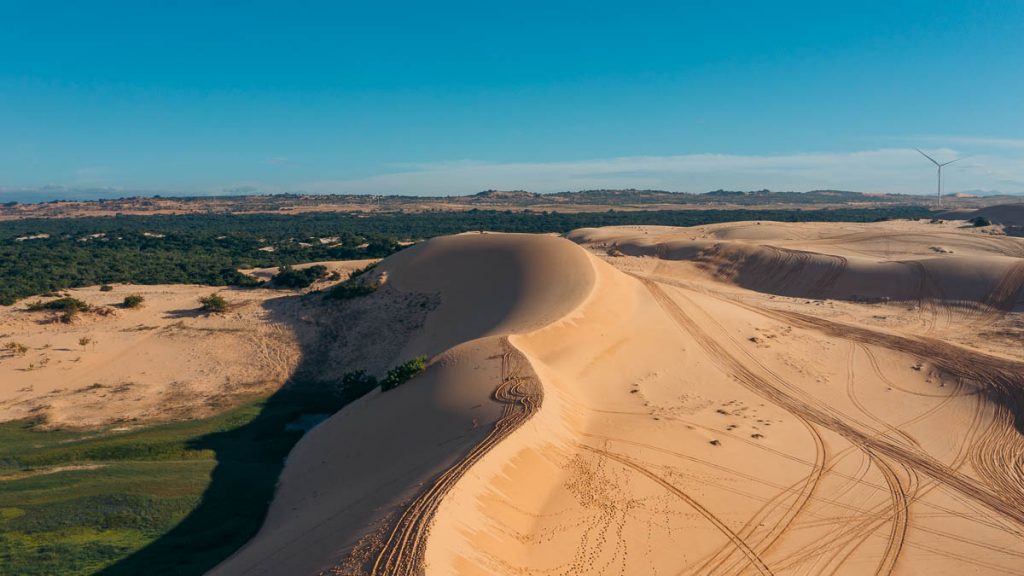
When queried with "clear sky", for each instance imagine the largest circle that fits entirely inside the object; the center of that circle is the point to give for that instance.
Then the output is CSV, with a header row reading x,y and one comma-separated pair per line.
x,y
453,98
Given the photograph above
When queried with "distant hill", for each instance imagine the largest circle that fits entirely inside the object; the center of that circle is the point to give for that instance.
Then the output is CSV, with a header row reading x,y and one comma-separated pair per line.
x,y
568,201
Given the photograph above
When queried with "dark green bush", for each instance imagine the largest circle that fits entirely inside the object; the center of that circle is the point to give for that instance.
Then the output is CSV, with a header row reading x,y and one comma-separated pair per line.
x,y
66,304
213,303
132,301
106,288
358,382
980,221
289,277
349,290
360,271
403,373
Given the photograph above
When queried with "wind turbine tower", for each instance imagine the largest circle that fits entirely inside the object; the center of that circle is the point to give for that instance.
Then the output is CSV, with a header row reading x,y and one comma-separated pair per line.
x,y
938,192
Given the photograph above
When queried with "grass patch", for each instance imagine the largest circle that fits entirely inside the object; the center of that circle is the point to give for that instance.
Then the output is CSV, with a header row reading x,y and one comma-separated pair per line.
x,y
167,499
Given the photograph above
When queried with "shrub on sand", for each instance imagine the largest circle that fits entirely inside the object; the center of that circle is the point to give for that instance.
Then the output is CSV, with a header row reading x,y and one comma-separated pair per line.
x,y
403,373
132,301
214,303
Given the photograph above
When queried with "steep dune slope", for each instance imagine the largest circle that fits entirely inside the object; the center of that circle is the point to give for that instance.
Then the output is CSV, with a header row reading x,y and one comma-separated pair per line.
x,y
358,491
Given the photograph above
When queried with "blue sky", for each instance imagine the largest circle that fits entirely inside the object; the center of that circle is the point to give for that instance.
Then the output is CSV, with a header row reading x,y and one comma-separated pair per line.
x,y
452,98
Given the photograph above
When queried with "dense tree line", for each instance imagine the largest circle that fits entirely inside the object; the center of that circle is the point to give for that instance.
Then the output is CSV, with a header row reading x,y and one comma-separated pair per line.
x,y
209,248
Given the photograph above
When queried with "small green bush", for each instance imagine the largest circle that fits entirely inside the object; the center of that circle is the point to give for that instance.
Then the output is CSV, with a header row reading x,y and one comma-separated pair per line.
x,y
132,301
358,382
66,304
403,373
213,303
360,271
289,277
980,221
106,288
349,290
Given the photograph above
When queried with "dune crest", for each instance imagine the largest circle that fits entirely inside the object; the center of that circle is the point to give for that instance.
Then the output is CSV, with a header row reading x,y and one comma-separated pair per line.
x,y
360,491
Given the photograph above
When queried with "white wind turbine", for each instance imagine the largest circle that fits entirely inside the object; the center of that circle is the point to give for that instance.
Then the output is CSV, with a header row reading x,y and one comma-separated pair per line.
x,y
938,193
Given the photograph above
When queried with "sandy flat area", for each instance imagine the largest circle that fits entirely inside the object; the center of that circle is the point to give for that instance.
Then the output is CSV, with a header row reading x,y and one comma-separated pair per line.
x,y
168,360
164,360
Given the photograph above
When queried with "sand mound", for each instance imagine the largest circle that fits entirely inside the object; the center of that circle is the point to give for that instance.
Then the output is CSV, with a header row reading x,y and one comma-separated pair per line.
x,y
340,496
490,284
590,414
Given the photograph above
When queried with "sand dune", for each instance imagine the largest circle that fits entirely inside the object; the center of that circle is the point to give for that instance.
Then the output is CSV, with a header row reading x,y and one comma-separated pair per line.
x,y
342,495
900,262
716,400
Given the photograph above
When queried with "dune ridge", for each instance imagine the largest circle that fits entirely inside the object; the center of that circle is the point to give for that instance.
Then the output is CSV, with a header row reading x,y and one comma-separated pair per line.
x,y
973,274
344,508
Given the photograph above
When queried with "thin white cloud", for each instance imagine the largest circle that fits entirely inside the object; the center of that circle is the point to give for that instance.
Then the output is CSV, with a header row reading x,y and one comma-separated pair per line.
x,y
897,170
969,141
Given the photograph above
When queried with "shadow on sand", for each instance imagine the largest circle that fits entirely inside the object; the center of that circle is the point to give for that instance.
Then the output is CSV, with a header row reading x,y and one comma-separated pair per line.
x,y
250,458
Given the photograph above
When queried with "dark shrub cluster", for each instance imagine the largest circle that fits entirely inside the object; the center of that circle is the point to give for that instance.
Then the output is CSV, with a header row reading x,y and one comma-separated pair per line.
x,y
288,277
65,304
348,290
213,303
132,301
403,373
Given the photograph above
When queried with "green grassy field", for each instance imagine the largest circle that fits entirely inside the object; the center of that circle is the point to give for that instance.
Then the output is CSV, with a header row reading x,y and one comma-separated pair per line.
x,y
167,499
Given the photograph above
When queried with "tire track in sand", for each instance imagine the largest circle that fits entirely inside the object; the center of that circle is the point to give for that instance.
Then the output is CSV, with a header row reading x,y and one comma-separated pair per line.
x,y
403,550
753,558
1001,502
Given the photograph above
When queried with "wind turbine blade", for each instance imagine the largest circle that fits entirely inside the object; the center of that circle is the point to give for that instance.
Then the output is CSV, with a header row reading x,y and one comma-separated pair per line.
x,y
951,161
928,157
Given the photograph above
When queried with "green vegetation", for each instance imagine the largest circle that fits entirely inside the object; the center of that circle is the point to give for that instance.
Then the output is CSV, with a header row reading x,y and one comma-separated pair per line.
x,y
980,221
68,307
360,271
61,304
132,301
403,373
168,499
133,502
348,290
213,304
210,248
106,288
359,382
288,277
